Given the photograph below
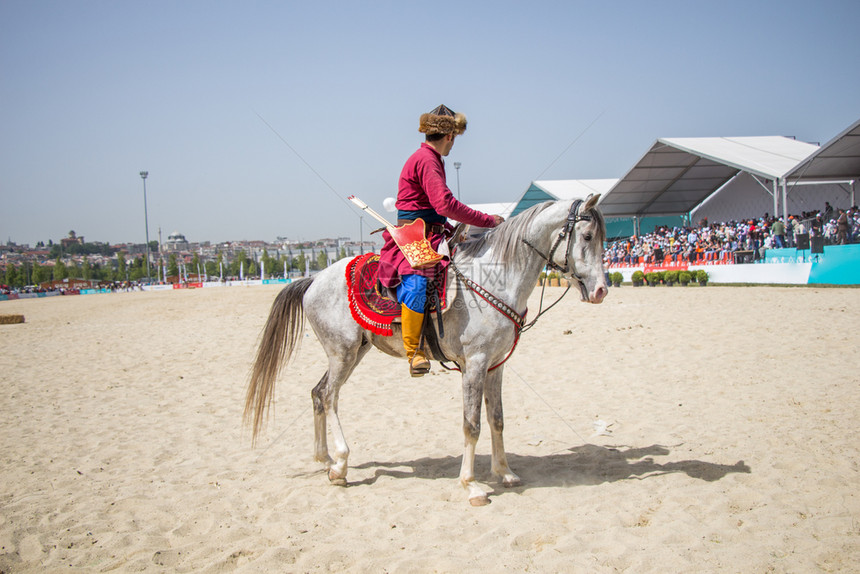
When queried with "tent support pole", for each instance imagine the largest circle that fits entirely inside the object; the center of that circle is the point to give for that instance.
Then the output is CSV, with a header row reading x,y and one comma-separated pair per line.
x,y
784,201
775,193
775,200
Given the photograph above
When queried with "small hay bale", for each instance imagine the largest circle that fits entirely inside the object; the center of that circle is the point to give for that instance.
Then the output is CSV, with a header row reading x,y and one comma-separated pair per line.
x,y
11,319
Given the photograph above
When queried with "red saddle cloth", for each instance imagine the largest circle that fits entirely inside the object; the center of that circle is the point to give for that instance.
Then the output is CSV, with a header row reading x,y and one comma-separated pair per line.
x,y
370,308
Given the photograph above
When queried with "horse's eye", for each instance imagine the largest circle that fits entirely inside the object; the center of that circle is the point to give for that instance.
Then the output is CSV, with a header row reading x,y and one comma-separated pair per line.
x,y
587,237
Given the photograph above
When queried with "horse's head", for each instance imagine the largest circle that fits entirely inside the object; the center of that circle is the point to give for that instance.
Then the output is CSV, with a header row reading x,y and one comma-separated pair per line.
x,y
580,252
558,235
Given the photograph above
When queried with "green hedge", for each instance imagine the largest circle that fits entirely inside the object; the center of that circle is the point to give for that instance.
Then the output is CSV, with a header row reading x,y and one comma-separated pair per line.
x,y
669,277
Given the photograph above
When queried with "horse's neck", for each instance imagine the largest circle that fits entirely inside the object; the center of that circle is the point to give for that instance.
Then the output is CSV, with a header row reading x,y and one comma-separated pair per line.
x,y
514,281
524,282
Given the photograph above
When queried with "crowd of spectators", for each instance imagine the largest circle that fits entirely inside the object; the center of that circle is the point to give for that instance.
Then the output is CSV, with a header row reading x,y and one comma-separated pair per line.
x,y
112,286
744,241
7,290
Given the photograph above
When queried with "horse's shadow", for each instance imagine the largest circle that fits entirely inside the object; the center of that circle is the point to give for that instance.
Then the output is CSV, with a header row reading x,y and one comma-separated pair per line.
x,y
582,465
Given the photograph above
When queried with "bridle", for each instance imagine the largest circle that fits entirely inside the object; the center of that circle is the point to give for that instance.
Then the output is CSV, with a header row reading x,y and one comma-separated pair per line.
x,y
568,232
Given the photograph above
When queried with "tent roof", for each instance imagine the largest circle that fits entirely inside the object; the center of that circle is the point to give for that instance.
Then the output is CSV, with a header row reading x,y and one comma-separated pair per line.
x,y
838,159
575,188
677,174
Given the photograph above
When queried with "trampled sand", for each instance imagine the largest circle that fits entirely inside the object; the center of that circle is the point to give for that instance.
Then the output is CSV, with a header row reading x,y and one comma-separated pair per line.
x,y
732,442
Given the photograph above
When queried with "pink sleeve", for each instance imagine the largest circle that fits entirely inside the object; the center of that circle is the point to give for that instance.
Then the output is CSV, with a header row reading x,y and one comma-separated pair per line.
x,y
433,181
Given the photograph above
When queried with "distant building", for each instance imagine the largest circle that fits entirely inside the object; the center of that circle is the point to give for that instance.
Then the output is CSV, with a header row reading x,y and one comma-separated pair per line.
x,y
176,242
72,239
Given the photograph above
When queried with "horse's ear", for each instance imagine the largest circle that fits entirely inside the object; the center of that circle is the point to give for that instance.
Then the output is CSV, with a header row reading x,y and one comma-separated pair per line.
x,y
591,201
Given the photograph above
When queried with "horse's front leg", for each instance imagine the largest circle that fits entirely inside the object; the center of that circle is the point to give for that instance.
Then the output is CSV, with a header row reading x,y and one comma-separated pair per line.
x,y
473,390
496,419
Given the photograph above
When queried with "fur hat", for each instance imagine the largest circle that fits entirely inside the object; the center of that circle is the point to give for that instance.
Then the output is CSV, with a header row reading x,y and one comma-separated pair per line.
x,y
442,120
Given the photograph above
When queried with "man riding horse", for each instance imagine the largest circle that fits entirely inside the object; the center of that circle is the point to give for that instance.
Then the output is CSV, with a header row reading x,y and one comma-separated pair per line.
x,y
423,194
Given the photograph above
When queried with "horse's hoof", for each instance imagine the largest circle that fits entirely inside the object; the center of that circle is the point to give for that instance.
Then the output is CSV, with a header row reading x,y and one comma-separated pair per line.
x,y
336,479
512,482
482,500
507,478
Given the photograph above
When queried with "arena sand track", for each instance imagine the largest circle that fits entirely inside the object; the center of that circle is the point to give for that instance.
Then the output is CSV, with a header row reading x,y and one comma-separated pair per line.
x,y
733,442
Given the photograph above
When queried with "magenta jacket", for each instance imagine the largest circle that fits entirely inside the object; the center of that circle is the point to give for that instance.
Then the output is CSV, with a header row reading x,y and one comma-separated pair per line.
x,y
422,186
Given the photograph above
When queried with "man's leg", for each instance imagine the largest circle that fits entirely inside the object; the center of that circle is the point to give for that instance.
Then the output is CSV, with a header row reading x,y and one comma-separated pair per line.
x,y
412,295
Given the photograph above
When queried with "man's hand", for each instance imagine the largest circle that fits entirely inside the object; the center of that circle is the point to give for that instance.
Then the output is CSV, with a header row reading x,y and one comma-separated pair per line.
x,y
498,219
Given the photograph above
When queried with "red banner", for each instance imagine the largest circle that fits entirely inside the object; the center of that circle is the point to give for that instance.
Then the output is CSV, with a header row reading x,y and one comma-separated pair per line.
x,y
187,285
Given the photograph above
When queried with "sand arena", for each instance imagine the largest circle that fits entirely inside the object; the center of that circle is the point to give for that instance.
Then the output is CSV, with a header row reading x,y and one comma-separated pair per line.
x,y
732,441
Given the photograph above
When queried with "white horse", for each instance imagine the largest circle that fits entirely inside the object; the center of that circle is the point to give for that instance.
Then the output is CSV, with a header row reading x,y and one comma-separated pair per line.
x,y
482,323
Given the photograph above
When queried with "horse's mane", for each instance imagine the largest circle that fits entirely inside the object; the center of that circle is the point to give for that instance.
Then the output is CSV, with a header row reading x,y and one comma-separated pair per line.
x,y
600,225
504,240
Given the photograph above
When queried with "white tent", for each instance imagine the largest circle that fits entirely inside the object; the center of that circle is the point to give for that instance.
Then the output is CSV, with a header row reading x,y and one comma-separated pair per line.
x,y
677,174
721,178
836,161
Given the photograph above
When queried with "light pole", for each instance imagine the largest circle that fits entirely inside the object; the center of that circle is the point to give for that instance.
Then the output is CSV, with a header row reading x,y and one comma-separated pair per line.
x,y
457,165
361,234
143,176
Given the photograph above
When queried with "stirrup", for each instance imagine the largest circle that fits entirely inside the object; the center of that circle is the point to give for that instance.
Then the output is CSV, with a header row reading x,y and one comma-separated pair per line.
x,y
420,368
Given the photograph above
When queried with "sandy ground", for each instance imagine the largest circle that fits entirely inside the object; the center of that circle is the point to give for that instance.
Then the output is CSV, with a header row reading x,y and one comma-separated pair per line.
x,y
732,442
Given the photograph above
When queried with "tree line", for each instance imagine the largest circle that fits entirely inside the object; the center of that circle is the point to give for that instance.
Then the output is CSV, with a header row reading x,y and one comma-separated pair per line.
x,y
32,273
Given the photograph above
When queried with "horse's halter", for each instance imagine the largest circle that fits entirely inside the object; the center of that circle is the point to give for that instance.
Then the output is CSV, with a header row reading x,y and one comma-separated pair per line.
x,y
568,231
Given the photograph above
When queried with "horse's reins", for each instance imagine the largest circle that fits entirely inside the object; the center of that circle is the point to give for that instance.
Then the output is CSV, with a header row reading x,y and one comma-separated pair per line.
x,y
567,232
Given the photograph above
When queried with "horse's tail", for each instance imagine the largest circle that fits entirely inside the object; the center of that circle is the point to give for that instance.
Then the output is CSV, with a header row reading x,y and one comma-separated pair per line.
x,y
280,337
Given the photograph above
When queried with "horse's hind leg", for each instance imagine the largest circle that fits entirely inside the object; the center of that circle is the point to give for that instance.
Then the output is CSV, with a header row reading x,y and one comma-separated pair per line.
x,y
325,397
320,438
496,419
344,341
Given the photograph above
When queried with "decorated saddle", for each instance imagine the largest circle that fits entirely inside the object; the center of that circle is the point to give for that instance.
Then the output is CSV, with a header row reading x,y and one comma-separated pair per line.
x,y
369,306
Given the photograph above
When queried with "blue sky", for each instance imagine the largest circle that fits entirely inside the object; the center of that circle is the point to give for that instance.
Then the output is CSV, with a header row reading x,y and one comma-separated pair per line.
x,y
93,92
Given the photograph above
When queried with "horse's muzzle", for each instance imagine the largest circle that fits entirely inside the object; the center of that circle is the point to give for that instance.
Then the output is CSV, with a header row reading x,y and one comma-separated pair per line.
x,y
598,294
596,297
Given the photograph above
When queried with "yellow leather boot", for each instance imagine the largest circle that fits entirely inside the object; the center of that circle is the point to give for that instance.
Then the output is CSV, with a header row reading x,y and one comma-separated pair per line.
x,y
411,322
